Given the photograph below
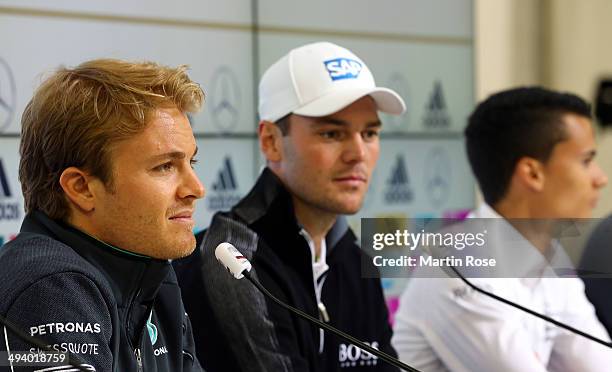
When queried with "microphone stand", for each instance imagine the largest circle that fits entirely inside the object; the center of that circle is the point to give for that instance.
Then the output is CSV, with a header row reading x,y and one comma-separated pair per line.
x,y
384,356
529,311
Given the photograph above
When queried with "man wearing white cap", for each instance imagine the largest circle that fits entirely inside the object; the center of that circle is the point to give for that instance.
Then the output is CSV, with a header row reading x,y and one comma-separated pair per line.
x,y
319,132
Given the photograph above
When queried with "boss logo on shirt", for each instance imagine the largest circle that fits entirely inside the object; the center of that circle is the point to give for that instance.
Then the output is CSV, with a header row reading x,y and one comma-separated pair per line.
x,y
352,356
343,68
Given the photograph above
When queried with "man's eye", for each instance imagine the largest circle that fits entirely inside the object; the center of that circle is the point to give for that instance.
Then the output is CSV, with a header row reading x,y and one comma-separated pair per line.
x,y
193,162
164,167
370,134
331,134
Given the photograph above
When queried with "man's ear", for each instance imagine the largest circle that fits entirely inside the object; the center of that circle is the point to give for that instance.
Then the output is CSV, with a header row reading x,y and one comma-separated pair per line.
x,y
77,186
530,173
270,141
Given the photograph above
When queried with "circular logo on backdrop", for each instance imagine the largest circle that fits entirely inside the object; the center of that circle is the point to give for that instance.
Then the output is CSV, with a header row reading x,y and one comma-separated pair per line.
x,y
8,95
225,99
399,84
437,176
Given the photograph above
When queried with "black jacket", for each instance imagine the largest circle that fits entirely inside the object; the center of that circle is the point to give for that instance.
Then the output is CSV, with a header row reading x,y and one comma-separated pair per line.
x,y
237,329
595,269
109,307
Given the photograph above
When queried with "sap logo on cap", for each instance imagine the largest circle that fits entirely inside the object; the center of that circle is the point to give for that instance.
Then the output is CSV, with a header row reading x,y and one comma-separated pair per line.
x,y
343,68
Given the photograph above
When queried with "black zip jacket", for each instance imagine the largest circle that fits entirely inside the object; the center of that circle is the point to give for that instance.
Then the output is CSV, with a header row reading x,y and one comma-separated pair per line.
x,y
112,309
237,329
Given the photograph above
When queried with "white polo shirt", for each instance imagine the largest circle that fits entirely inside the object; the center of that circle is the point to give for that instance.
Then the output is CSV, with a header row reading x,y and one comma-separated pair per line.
x,y
443,325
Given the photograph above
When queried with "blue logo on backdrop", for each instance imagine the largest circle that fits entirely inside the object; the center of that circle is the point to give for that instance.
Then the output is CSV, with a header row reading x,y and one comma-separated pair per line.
x,y
343,68
4,184
436,115
225,189
398,184
10,210
226,180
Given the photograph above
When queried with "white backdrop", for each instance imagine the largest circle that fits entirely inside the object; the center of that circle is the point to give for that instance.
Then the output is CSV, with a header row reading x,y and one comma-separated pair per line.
x,y
421,48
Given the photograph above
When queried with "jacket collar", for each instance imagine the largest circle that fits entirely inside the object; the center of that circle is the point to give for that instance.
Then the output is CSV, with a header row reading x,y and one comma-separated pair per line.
x,y
517,257
134,279
270,199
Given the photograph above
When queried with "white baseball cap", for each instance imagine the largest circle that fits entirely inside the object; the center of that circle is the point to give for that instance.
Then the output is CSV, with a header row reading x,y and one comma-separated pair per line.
x,y
320,79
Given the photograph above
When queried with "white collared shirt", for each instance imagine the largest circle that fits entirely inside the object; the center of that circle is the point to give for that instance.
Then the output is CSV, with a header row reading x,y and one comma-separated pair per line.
x,y
443,325
319,263
319,268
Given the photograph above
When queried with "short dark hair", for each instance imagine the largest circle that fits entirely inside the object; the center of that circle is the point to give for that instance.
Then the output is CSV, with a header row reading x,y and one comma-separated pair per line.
x,y
283,124
511,124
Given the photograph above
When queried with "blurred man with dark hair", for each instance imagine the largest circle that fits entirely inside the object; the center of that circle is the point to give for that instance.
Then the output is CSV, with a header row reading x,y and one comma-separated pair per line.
x,y
520,130
106,173
532,151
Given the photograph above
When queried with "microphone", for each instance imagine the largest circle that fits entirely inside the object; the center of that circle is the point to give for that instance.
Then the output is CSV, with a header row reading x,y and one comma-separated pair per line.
x,y
240,267
72,360
232,259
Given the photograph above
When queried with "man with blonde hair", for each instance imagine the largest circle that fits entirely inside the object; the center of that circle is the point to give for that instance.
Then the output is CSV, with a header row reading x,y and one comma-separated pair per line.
x,y
106,172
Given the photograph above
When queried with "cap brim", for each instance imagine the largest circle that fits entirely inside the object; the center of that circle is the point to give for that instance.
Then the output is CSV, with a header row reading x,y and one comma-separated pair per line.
x,y
386,101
